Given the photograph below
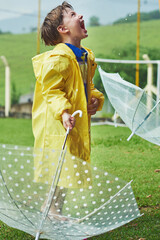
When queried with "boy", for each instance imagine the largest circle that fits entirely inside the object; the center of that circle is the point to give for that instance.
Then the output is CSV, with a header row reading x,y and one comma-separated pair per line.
x,y
64,85
60,89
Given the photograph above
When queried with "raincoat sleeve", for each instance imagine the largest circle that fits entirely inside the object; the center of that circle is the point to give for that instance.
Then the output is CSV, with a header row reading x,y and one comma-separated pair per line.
x,y
94,92
54,77
97,94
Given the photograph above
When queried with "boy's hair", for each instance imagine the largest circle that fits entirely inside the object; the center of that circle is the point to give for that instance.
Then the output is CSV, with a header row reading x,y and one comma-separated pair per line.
x,y
54,18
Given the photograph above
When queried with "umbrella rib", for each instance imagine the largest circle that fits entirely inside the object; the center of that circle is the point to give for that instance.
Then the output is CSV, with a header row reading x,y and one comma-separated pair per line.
x,y
95,211
75,227
147,116
47,235
137,108
13,219
5,185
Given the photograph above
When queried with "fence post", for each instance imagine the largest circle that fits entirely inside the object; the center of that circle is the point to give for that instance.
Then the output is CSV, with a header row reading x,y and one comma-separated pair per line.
x,y
149,85
158,81
7,86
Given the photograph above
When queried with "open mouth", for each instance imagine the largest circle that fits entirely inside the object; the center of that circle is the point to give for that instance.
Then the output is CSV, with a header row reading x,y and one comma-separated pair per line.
x,y
83,25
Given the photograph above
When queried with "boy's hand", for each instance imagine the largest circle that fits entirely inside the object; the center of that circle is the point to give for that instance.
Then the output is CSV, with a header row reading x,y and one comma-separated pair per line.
x,y
68,120
93,106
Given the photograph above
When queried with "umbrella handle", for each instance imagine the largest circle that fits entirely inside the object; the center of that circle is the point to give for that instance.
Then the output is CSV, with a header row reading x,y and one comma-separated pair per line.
x,y
74,114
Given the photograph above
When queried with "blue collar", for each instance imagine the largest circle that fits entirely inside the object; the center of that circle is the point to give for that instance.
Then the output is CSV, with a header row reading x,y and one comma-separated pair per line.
x,y
77,51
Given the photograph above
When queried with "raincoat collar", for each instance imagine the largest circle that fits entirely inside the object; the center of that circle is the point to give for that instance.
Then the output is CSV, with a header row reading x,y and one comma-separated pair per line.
x,y
79,52
61,49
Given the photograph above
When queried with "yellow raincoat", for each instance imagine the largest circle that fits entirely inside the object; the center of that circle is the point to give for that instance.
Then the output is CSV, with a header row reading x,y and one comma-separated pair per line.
x,y
59,86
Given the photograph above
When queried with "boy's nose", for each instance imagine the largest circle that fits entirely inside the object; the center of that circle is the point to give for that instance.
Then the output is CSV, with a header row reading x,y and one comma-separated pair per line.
x,y
80,16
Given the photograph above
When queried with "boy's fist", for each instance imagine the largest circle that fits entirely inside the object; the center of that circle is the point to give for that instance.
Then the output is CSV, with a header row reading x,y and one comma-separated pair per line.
x,y
93,106
68,120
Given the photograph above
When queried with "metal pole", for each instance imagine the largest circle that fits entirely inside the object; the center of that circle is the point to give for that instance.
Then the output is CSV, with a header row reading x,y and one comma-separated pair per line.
x,y
38,27
138,39
55,180
37,236
126,61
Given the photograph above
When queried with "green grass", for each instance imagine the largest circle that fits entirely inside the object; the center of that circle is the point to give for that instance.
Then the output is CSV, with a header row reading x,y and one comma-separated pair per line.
x,y
20,48
137,160
16,131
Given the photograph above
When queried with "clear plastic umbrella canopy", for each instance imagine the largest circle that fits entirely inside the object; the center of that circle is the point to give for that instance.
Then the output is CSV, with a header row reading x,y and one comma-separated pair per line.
x,y
78,201
138,110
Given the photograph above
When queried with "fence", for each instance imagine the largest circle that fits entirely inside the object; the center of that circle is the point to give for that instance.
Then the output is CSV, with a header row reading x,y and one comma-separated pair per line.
x,y
148,62
149,88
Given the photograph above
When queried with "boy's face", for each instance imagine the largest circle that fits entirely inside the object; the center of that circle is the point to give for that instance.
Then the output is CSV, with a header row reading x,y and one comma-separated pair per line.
x,y
74,24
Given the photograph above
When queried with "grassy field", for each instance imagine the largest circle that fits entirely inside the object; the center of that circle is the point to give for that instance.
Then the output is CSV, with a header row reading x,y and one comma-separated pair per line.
x,y
137,160
105,39
19,49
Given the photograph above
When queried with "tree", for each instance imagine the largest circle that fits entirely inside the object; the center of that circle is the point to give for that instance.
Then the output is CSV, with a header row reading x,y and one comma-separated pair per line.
x,y
1,32
33,29
94,21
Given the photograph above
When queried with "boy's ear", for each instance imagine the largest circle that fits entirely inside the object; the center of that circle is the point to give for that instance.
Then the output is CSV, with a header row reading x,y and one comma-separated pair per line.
x,y
62,29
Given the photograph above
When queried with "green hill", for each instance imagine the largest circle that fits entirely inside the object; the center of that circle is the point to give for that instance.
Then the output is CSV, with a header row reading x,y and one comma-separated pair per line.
x,y
106,39
145,16
19,49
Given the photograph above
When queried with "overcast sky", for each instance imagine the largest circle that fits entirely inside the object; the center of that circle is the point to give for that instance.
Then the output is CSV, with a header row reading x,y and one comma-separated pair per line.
x,y
107,10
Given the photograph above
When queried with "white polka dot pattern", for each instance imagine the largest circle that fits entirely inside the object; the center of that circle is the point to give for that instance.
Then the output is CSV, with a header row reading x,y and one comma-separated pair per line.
x,y
84,198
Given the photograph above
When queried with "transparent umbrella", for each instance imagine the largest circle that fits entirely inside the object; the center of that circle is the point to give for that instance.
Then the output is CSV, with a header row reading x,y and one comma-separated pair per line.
x,y
138,110
78,202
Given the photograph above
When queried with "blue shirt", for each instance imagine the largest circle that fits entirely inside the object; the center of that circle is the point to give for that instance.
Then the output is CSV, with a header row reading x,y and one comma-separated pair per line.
x,y
81,56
